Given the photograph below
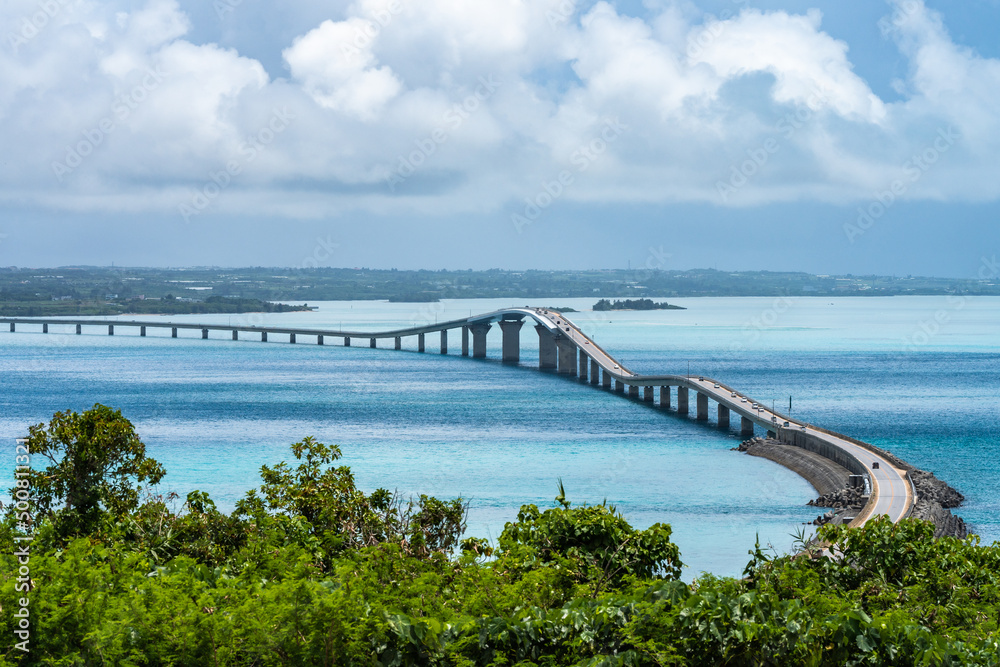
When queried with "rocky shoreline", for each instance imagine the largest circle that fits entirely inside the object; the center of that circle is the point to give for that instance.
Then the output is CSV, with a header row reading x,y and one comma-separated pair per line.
x,y
935,498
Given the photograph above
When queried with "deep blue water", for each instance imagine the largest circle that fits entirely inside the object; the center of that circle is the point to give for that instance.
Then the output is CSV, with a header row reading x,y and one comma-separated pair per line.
x,y
214,411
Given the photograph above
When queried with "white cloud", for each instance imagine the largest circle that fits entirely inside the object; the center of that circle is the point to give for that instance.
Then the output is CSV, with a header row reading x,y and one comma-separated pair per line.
x,y
336,66
375,84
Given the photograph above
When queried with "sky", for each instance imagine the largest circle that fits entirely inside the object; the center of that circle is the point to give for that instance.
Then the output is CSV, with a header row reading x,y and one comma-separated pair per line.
x,y
857,136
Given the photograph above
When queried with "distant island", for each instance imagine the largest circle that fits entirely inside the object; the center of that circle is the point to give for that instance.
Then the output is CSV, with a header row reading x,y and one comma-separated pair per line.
x,y
167,305
90,290
634,304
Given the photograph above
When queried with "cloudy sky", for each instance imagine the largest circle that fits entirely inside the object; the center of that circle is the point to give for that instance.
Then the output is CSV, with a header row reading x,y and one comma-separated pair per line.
x,y
852,136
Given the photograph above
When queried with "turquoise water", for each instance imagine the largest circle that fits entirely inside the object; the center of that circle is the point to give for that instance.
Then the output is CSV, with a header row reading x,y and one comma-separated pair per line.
x,y
918,375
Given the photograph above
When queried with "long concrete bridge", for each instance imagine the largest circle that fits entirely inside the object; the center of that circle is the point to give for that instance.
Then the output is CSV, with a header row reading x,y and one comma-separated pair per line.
x,y
565,349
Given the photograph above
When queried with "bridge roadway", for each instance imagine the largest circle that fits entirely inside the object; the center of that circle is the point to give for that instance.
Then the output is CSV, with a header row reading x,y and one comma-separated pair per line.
x,y
564,347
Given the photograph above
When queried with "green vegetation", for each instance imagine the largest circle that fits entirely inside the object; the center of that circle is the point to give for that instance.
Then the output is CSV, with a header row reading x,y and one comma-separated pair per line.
x,y
634,304
109,291
310,570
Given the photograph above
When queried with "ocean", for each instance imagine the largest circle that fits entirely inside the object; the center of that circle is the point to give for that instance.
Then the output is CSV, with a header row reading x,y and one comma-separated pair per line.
x,y
919,376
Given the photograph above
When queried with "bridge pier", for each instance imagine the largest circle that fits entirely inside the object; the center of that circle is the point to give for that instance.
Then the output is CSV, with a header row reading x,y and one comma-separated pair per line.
x,y
582,365
665,397
204,334
702,415
595,372
12,327
263,336
723,416
567,357
111,330
347,341
45,328
647,394
319,339
79,329
606,380
682,400
479,332
444,341
236,334
420,342
547,353
511,340
465,341
173,333
619,387
399,342
291,338
746,427
371,343
142,331
633,391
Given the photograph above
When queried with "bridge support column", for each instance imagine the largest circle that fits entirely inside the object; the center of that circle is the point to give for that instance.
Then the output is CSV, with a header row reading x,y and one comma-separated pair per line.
x,y
111,330
347,341
723,416
173,333
702,407
665,397
399,342
606,380
511,340
465,341
45,328
371,343
444,341
319,339
582,365
204,334
479,332
633,391
12,327
263,336
79,329
619,387
547,353
595,372
746,427
236,334
567,357
682,400
142,331
420,342
291,338
647,394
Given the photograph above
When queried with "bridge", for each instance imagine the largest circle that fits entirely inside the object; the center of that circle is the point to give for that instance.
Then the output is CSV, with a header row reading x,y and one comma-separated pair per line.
x,y
565,349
